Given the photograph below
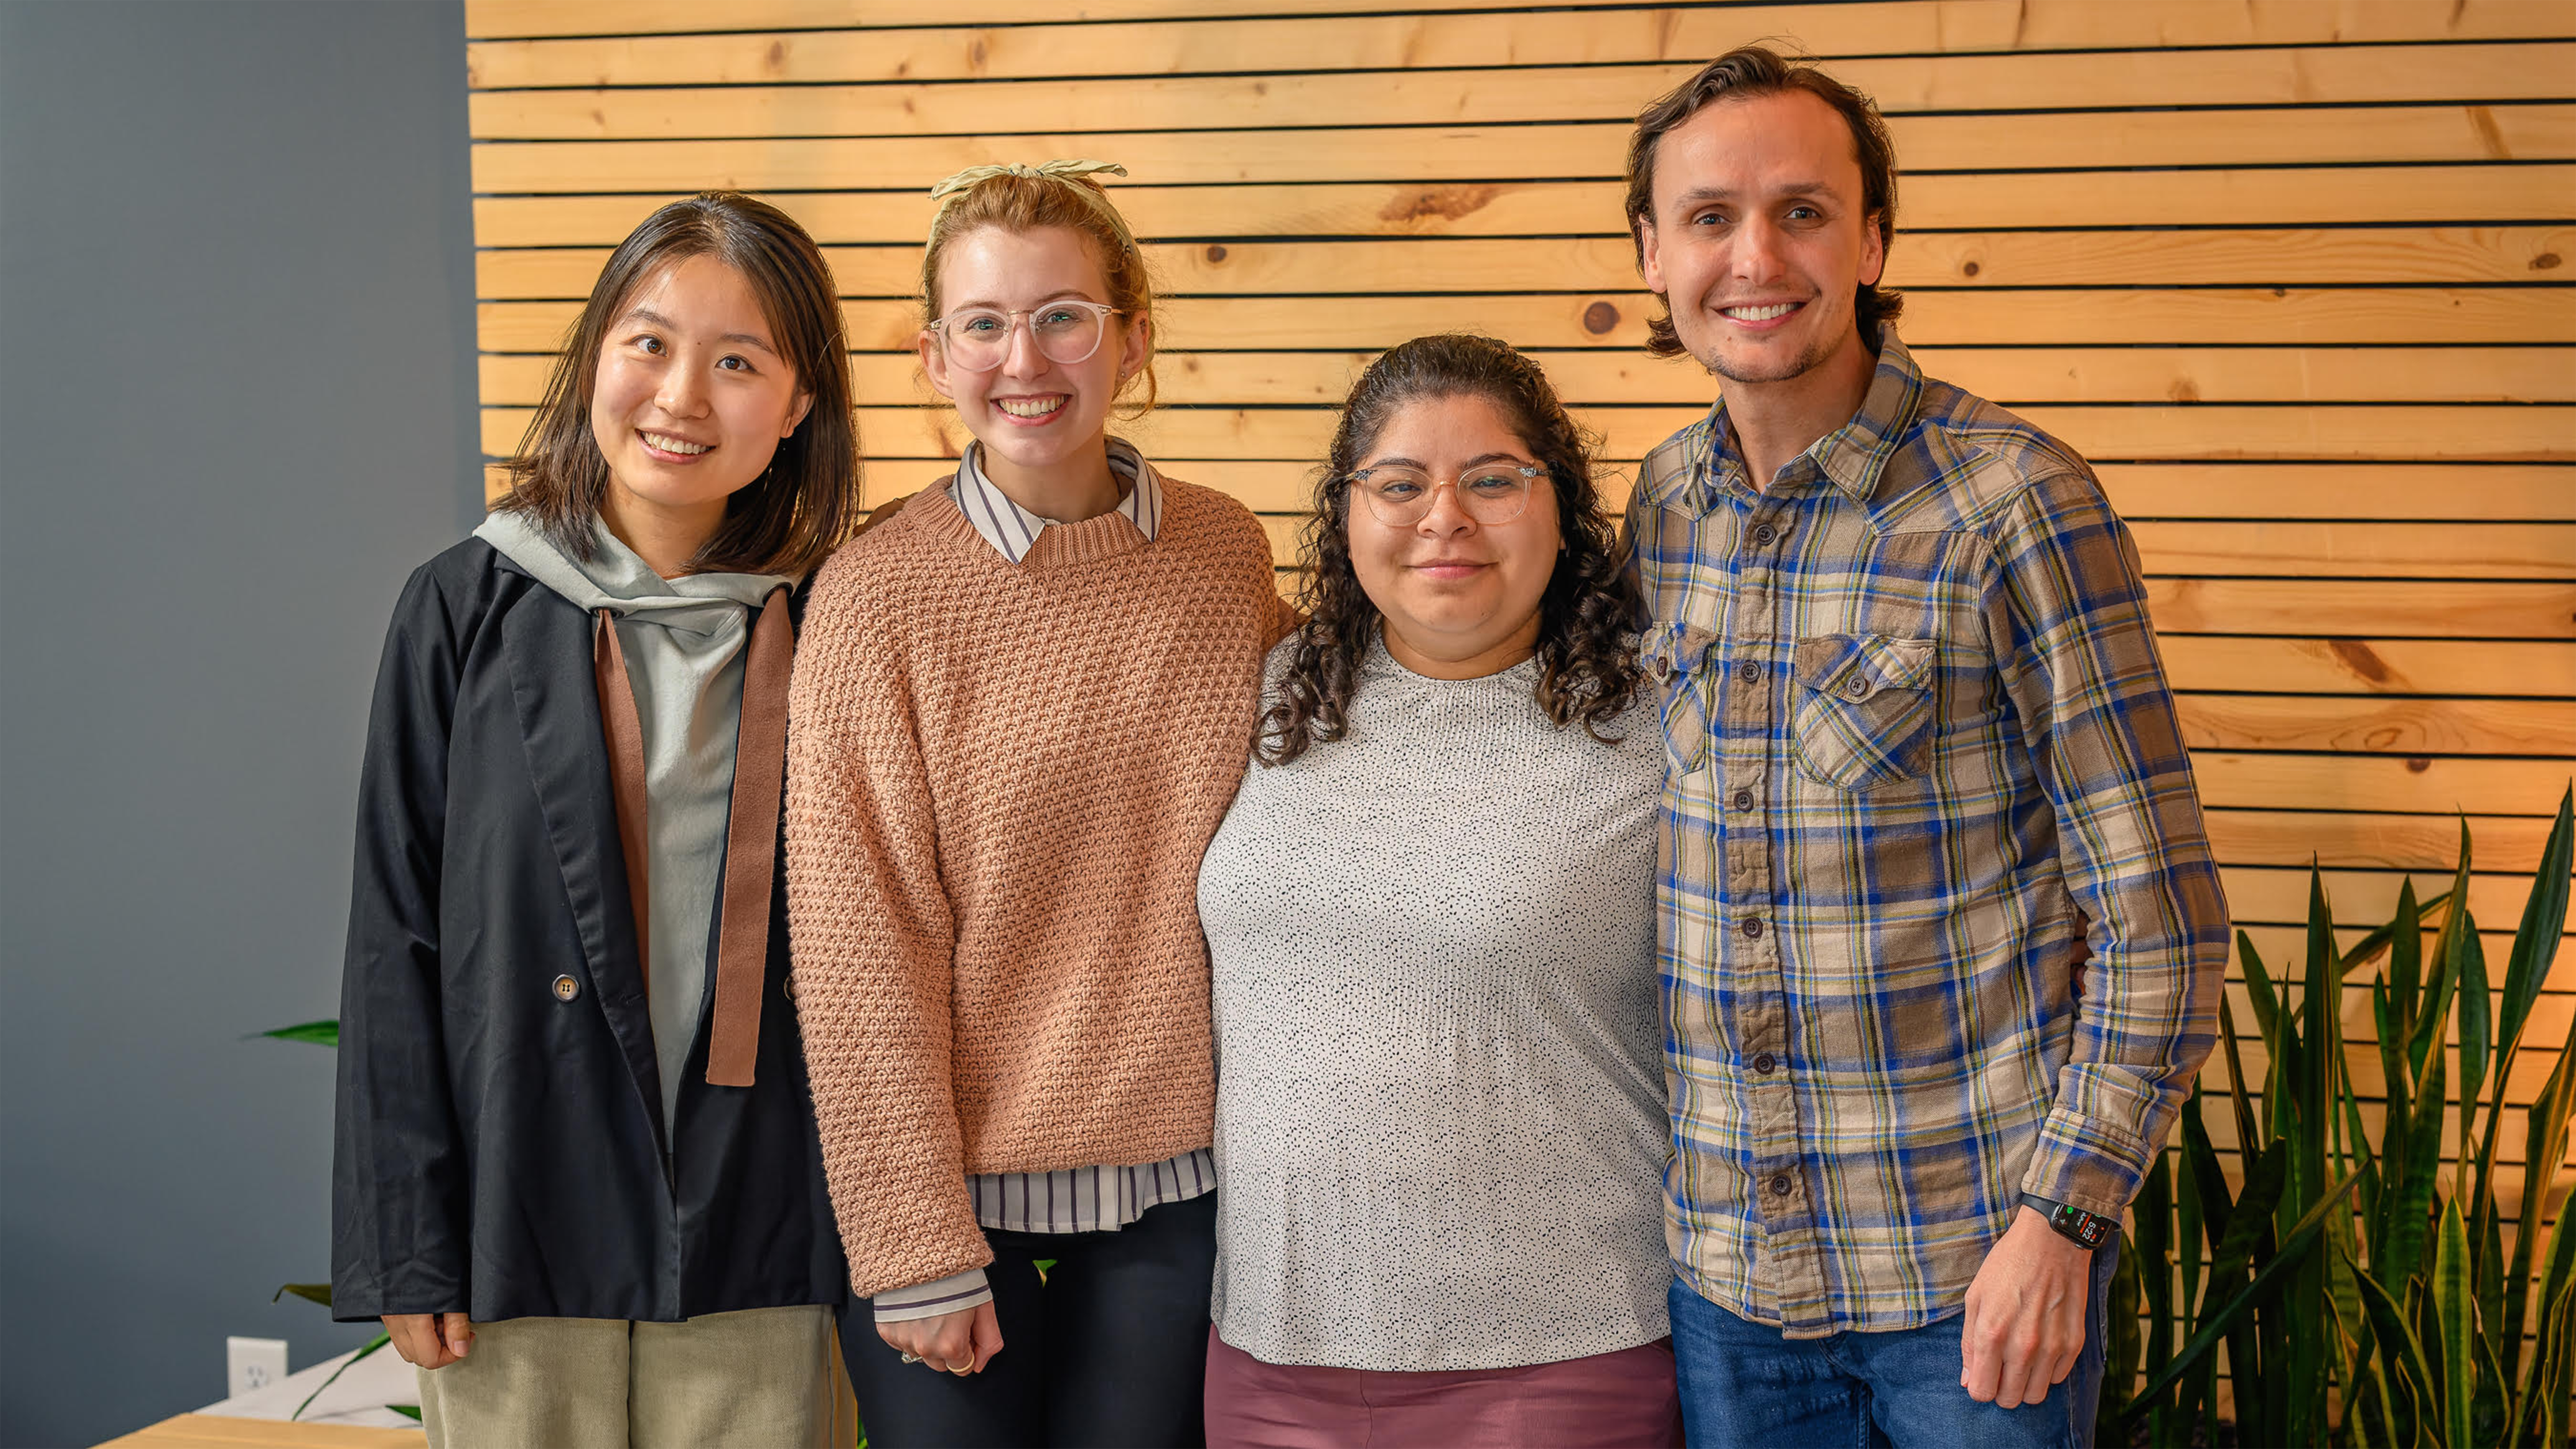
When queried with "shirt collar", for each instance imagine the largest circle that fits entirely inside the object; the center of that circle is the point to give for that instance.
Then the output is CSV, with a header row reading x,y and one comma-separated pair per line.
x,y
1013,530
1851,457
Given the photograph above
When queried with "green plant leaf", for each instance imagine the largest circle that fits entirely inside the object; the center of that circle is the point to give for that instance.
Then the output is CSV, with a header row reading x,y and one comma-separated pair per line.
x,y
2405,1353
2258,987
370,1346
2544,921
2295,1247
2410,1209
2557,1280
2545,1140
309,1292
2474,1042
320,1033
408,1411
2455,1331
2433,1016
2239,1091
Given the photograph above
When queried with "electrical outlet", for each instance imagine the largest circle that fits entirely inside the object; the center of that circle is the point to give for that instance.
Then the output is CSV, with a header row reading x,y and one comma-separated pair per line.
x,y
253,1363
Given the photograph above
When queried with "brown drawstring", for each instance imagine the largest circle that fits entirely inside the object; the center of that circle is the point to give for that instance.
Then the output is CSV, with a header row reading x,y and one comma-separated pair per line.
x,y
751,835
751,846
625,735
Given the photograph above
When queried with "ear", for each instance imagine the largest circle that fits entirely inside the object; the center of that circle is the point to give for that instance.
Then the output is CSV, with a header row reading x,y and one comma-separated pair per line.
x,y
796,414
1648,264
934,363
1138,347
1873,251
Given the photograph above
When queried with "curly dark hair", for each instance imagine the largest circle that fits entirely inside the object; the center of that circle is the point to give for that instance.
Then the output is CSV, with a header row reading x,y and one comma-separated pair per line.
x,y
1587,660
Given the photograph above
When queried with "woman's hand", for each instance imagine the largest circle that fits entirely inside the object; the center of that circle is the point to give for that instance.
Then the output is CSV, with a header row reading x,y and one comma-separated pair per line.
x,y
429,1340
959,1343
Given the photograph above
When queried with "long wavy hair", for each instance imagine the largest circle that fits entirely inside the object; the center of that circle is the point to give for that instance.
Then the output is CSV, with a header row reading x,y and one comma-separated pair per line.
x,y
1587,662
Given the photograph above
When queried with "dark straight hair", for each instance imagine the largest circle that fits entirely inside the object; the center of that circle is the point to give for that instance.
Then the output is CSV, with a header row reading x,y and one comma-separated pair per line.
x,y
788,519
1745,73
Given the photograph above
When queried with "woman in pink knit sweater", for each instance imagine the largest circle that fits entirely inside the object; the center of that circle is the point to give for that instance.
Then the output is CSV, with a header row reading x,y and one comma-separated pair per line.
x,y
1020,709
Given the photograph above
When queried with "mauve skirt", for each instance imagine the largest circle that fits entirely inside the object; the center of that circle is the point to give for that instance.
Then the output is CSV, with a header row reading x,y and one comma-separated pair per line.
x,y
1622,1400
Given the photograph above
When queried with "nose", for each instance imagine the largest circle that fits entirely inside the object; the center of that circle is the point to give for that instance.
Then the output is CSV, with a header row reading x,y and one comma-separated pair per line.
x,y
1758,245
1445,518
1020,355
683,393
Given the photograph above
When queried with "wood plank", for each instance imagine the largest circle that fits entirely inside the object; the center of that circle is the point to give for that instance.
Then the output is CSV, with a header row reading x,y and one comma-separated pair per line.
x,y
2199,431
2373,666
2411,727
2374,195
2293,549
1933,320
2371,840
2366,609
2280,781
2012,376
809,137
2535,492
2259,895
2367,256
922,40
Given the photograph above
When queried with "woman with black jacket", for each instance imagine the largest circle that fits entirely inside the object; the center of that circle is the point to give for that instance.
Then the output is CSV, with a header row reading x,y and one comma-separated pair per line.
x,y
577,1174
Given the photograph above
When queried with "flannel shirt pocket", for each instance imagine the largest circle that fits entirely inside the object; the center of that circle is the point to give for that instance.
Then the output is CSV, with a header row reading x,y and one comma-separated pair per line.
x,y
1863,714
1673,655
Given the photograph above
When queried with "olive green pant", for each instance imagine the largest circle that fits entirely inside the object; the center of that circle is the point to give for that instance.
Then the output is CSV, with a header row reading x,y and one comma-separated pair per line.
x,y
758,1379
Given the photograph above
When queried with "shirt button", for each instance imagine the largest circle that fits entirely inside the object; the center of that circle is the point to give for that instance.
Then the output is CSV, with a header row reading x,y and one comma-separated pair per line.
x,y
1752,673
565,988
1743,799
1753,926
1763,1064
1856,687
1765,535
1780,1184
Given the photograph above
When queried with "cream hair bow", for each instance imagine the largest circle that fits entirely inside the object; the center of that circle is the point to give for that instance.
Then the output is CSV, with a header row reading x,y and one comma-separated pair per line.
x,y
947,192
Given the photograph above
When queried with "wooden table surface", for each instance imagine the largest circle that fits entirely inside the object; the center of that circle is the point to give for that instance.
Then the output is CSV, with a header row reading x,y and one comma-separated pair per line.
x,y
206,1431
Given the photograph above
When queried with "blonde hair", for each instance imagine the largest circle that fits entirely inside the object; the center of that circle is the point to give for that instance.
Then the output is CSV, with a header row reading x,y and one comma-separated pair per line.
x,y
1022,199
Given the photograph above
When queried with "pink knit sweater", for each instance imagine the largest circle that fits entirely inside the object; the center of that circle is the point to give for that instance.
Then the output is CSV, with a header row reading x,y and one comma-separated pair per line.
x,y
1000,780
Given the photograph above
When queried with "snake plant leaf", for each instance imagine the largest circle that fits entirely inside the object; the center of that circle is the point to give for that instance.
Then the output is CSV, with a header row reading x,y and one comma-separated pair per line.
x,y
2431,1021
320,1033
2487,1408
2207,1181
2545,1141
2544,921
2258,987
2248,1140
2542,1405
2412,1376
2557,1281
2475,1025
2405,959
309,1292
2455,1328
2410,1207
370,1346
2295,1248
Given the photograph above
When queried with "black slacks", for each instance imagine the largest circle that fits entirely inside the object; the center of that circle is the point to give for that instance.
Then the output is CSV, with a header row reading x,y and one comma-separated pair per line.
x,y
1109,1349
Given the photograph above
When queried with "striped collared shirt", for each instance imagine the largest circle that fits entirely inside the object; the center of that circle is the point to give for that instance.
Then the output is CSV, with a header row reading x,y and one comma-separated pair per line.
x,y
1013,530
1916,735
1073,1199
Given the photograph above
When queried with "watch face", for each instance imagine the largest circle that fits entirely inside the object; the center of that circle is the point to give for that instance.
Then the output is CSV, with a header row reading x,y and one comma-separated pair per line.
x,y
2085,1228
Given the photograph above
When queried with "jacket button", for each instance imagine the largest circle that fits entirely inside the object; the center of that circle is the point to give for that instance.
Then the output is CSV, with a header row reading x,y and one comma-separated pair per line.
x,y
1752,673
1753,926
1763,1064
1743,799
565,988
1765,535
1780,1184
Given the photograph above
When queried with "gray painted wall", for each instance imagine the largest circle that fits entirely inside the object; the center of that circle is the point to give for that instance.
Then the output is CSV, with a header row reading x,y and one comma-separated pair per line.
x,y
236,408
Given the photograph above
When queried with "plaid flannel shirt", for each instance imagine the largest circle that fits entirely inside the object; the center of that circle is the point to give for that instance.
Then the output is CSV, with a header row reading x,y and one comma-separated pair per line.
x,y
1916,736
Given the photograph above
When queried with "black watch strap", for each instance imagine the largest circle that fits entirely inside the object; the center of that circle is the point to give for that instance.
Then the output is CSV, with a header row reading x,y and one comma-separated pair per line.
x,y
2085,1230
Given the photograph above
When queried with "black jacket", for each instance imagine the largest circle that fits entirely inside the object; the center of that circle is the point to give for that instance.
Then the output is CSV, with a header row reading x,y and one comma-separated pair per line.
x,y
500,1147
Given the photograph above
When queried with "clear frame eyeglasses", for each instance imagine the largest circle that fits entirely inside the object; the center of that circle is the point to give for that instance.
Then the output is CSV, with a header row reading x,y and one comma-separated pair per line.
x,y
1066,331
1491,493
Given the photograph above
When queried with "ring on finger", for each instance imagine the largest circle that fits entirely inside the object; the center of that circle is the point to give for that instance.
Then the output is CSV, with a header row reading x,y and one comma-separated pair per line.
x,y
962,1370
912,1358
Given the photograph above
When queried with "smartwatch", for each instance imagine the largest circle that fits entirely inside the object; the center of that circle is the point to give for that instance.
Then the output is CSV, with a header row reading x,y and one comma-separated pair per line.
x,y
2085,1230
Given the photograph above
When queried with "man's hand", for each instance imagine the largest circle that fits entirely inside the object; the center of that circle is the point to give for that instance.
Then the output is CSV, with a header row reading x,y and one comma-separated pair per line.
x,y
957,1343
429,1340
2025,1320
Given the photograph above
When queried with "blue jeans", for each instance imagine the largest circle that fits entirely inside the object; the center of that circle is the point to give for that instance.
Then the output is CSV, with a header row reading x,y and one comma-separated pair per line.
x,y
1744,1386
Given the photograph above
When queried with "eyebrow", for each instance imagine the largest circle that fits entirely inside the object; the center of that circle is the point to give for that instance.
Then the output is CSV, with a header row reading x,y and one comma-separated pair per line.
x,y
1055,296
1478,461
648,315
1699,194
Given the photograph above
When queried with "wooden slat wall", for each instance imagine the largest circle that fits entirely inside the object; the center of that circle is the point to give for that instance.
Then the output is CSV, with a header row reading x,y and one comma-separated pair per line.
x,y
2295,273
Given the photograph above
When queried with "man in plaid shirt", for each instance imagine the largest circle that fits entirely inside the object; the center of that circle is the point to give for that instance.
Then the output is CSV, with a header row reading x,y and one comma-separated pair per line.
x,y
1920,751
